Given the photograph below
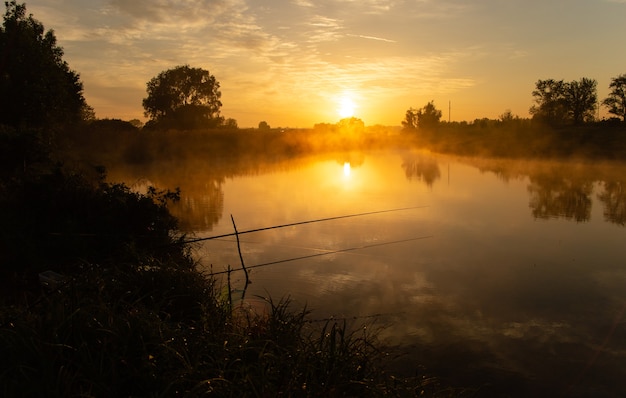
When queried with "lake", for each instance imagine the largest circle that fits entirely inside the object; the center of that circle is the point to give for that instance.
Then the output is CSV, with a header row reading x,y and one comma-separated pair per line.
x,y
509,275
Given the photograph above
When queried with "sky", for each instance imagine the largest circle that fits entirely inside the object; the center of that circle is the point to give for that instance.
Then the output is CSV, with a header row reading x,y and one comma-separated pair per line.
x,y
296,63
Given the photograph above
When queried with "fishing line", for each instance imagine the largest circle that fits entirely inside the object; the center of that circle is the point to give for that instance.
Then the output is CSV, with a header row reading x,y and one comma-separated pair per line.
x,y
298,223
326,253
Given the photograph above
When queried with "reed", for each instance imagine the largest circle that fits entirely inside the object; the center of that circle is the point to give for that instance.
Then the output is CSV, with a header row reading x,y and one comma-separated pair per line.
x,y
163,331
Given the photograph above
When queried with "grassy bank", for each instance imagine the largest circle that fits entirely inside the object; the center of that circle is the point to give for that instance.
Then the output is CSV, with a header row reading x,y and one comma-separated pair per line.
x,y
161,331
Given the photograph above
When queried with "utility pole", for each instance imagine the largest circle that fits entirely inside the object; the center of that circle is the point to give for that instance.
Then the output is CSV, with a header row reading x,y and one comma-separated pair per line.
x,y
449,109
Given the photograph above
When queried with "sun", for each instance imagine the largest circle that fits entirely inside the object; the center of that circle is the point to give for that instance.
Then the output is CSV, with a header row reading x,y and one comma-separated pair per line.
x,y
346,107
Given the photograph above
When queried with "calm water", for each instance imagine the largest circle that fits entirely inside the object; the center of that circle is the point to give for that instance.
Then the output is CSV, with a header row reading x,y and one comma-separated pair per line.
x,y
509,275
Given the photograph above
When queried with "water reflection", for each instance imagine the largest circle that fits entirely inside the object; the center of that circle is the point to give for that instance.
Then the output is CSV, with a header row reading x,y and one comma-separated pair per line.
x,y
613,197
565,189
421,167
555,190
492,296
557,196
202,209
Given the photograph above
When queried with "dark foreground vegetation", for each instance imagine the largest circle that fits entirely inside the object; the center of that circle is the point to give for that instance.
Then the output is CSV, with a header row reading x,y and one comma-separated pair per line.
x,y
125,311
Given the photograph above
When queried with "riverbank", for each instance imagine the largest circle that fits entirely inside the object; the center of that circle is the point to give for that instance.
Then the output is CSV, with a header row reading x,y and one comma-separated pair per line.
x,y
101,298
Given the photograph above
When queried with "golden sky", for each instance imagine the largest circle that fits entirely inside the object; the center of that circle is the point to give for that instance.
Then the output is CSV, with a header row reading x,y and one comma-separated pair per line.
x,y
295,63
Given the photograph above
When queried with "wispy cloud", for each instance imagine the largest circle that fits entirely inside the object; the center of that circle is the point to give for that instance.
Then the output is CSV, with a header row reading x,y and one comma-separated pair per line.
x,y
176,11
372,38
323,29
303,3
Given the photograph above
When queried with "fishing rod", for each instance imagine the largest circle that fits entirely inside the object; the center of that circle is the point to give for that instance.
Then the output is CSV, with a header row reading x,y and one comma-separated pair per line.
x,y
324,254
298,223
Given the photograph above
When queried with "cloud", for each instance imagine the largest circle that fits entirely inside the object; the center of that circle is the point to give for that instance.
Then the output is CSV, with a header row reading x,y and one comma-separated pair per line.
x,y
303,3
323,29
172,11
373,38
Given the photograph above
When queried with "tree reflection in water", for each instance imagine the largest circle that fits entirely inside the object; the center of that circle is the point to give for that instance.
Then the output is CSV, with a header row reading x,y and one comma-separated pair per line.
x,y
614,199
553,196
201,209
422,168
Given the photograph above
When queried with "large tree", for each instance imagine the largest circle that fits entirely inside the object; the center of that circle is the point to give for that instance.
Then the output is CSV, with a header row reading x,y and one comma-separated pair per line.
x,y
550,106
428,116
184,98
424,118
37,88
616,101
410,119
558,102
581,98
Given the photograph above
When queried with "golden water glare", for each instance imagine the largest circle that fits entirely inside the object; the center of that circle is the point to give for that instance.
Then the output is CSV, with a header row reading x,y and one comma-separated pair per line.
x,y
347,169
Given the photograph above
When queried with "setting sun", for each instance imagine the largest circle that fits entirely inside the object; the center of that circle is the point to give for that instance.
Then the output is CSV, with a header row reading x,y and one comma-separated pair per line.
x,y
346,107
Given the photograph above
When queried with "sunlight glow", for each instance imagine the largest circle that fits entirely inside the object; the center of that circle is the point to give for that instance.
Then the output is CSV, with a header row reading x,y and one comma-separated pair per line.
x,y
346,107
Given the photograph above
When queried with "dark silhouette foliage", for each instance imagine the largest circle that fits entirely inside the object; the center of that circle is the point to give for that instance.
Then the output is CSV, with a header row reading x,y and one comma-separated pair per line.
x,y
550,106
37,88
183,98
616,101
410,119
581,99
426,117
558,102
60,219
116,125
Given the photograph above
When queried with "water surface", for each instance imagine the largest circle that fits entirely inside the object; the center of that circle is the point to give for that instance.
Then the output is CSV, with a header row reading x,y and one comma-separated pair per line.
x,y
506,274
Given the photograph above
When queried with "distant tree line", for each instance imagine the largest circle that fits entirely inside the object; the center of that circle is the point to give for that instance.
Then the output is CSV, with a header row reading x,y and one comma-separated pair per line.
x,y
557,103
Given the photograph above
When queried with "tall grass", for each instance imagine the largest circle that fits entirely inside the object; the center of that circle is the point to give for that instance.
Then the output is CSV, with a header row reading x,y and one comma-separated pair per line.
x,y
162,331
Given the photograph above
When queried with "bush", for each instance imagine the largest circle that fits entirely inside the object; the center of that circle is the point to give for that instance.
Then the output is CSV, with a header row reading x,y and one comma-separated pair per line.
x,y
59,220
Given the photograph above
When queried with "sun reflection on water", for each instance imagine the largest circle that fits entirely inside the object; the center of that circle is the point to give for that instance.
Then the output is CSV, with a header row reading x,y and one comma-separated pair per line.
x,y
347,170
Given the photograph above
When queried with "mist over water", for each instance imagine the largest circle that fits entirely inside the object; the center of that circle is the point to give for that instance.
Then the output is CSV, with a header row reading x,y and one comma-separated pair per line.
x,y
507,273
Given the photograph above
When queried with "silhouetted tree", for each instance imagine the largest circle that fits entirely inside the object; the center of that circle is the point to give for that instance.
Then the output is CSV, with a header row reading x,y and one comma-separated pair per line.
x,y
581,98
410,119
263,125
558,102
616,101
351,125
423,118
136,122
183,98
230,124
508,117
428,116
37,88
550,101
